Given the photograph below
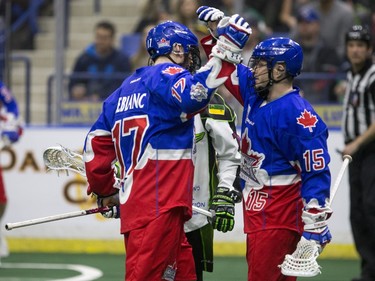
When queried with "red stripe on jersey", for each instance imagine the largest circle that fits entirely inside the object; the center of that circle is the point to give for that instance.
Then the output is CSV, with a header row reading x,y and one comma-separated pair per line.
x,y
274,207
100,174
158,187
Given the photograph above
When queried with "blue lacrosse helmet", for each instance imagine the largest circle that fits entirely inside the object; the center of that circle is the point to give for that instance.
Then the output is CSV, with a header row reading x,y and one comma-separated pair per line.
x,y
280,50
161,38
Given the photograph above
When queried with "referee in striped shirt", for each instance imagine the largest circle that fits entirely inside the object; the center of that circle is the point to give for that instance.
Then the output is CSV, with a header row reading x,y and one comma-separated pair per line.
x,y
359,134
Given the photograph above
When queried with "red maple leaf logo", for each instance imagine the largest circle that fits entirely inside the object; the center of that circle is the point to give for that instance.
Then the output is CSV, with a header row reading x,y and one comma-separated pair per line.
x,y
307,120
246,149
245,143
172,70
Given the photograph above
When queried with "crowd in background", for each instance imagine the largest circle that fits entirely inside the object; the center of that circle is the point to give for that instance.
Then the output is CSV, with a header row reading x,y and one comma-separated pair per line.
x,y
318,26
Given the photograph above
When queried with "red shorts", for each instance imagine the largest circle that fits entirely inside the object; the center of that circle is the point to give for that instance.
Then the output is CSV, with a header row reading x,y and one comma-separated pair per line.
x,y
3,197
155,252
266,250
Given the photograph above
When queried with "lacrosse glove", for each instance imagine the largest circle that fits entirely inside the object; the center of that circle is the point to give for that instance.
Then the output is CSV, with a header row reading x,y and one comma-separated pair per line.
x,y
322,238
233,33
11,128
315,220
10,136
112,202
112,213
222,206
208,14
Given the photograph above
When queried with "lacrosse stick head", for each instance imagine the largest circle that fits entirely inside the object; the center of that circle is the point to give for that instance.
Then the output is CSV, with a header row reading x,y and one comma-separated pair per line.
x,y
302,263
60,158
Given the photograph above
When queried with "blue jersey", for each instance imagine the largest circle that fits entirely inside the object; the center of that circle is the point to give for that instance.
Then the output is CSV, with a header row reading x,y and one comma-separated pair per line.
x,y
284,156
147,126
10,123
8,101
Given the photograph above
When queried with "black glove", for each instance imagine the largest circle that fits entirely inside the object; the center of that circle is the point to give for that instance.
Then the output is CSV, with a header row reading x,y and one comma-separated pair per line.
x,y
222,206
112,202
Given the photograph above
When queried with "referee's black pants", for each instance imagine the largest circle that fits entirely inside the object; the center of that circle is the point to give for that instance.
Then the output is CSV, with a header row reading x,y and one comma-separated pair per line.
x,y
362,209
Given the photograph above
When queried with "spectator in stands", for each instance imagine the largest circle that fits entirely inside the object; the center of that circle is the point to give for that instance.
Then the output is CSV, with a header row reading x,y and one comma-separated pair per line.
x,y
362,11
141,57
258,34
289,9
227,6
336,17
200,30
155,11
269,11
317,56
185,12
24,21
101,68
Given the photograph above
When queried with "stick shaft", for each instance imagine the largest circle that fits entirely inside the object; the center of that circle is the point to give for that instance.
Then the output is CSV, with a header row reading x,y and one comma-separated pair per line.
x,y
10,226
347,160
68,153
202,211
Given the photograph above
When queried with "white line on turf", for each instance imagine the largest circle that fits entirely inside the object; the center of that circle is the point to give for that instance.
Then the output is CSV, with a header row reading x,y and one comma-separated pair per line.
x,y
87,273
23,279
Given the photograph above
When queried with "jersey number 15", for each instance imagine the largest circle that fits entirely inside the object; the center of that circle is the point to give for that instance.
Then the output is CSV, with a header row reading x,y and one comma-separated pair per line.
x,y
314,160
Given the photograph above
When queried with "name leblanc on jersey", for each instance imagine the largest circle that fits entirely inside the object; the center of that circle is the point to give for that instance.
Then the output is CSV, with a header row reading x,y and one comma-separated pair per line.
x,y
133,101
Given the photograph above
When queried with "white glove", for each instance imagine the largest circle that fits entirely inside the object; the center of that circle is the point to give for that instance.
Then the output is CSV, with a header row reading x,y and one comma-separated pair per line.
x,y
233,34
10,128
208,14
315,220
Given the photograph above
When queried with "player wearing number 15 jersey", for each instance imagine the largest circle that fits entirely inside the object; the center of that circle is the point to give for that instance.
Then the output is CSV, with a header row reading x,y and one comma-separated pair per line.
x,y
284,168
284,163
285,173
147,125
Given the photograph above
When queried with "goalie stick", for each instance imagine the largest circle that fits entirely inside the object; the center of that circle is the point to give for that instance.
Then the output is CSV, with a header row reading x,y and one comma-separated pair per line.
x,y
10,226
302,263
60,158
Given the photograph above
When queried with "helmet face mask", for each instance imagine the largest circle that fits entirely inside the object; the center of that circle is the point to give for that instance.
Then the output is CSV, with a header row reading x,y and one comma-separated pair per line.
x,y
162,38
273,51
193,59
280,50
261,73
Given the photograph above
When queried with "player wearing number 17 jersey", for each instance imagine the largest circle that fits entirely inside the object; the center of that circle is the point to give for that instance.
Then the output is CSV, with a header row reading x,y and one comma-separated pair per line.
x,y
147,125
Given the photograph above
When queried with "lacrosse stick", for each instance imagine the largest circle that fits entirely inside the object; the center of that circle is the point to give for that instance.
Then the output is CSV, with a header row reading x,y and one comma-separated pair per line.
x,y
10,226
302,263
60,158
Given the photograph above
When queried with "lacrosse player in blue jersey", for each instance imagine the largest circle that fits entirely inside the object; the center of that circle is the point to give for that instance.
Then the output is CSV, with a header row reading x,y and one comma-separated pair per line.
x,y
147,126
284,166
10,131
